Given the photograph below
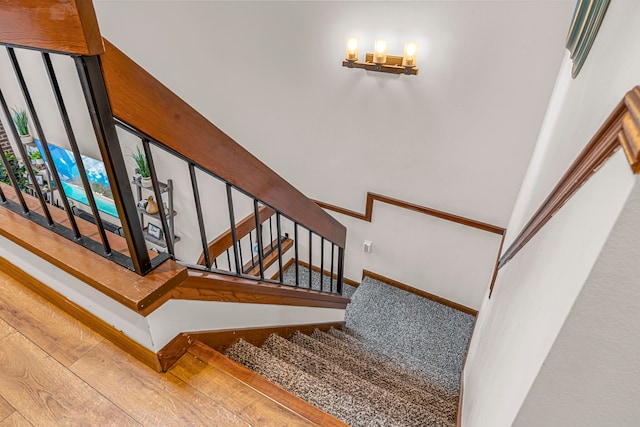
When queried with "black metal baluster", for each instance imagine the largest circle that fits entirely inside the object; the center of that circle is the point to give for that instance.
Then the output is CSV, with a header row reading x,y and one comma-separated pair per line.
x,y
234,236
310,258
76,151
340,270
241,258
256,212
295,246
321,264
95,93
168,231
36,122
229,259
279,230
196,197
270,232
331,272
3,199
215,263
251,246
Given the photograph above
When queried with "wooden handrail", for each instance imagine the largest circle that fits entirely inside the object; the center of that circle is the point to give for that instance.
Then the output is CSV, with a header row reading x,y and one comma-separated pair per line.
x,y
144,103
622,128
68,26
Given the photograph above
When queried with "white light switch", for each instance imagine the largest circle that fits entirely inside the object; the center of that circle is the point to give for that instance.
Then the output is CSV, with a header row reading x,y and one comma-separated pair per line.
x,y
367,246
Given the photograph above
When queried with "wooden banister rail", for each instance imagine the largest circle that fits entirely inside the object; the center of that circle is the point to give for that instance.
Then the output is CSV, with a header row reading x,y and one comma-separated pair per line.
x,y
68,26
621,129
144,103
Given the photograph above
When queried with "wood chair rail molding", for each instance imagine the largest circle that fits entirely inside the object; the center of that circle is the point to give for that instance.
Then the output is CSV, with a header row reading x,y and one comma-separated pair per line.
x,y
371,197
68,26
144,103
621,129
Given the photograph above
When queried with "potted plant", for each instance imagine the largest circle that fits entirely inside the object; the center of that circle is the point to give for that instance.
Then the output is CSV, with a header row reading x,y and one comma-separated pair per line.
x,y
22,123
36,158
18,171
142,167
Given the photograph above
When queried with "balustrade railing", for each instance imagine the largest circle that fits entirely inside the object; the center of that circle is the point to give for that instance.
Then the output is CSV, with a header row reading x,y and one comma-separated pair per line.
x,y
257,248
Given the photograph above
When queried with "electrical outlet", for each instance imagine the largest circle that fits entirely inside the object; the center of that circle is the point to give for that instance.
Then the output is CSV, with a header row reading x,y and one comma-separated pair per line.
x,y
367,246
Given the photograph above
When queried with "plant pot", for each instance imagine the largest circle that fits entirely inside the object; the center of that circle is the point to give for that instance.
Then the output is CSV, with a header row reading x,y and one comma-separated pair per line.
x,y
146,182
26,139
39,162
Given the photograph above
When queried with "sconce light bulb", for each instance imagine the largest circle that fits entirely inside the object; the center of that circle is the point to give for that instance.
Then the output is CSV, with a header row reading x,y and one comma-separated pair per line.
x,y
381,46
410,53
352,49
411,49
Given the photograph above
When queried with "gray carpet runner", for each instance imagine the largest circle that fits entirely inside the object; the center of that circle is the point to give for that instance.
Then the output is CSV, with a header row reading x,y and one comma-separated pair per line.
x,y
397,363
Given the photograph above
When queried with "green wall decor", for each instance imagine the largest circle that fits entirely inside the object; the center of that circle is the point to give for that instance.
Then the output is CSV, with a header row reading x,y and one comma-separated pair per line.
x,y
585,24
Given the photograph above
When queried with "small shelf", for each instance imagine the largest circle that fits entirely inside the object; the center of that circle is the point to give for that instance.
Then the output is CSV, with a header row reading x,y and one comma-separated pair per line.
x,y
158,242
163,187
156,216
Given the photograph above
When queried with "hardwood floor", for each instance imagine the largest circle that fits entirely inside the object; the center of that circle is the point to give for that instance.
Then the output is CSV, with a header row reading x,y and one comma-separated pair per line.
x,y
56,371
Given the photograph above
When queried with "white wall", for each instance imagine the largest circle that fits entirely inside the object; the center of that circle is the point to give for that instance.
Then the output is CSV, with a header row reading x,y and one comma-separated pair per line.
x,y
591,376
447,259
533,295
536,290
457,137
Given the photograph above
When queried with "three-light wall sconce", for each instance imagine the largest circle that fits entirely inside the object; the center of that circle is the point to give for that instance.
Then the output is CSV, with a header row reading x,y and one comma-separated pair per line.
x,y
379,60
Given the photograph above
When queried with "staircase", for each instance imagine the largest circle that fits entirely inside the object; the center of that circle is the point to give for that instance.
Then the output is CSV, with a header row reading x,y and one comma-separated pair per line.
x,y
362,381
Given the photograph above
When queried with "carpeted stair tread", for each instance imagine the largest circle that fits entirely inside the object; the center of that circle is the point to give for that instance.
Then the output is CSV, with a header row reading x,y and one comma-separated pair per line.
x,y
305,386
434,374
397,411
355,350
377,375
289,278
397,320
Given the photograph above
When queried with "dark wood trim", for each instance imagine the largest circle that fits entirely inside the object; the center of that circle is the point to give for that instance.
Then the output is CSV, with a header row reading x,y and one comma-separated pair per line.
x,y
142,294
620,129
315,268
269,259
127,344
371,197
141,101
225,240
419,292
630,135
174,350
262,385
222,339
495,268
68,26
460,397
203,286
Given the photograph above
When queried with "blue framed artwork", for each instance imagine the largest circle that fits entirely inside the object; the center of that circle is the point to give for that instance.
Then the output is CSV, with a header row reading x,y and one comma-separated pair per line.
x,y
72,184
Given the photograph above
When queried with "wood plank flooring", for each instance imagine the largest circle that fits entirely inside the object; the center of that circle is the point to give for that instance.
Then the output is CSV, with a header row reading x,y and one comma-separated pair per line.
x,y
56,371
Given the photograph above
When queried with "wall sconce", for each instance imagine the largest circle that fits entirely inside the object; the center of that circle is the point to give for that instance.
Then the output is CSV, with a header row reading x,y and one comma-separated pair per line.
x,y
380,61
